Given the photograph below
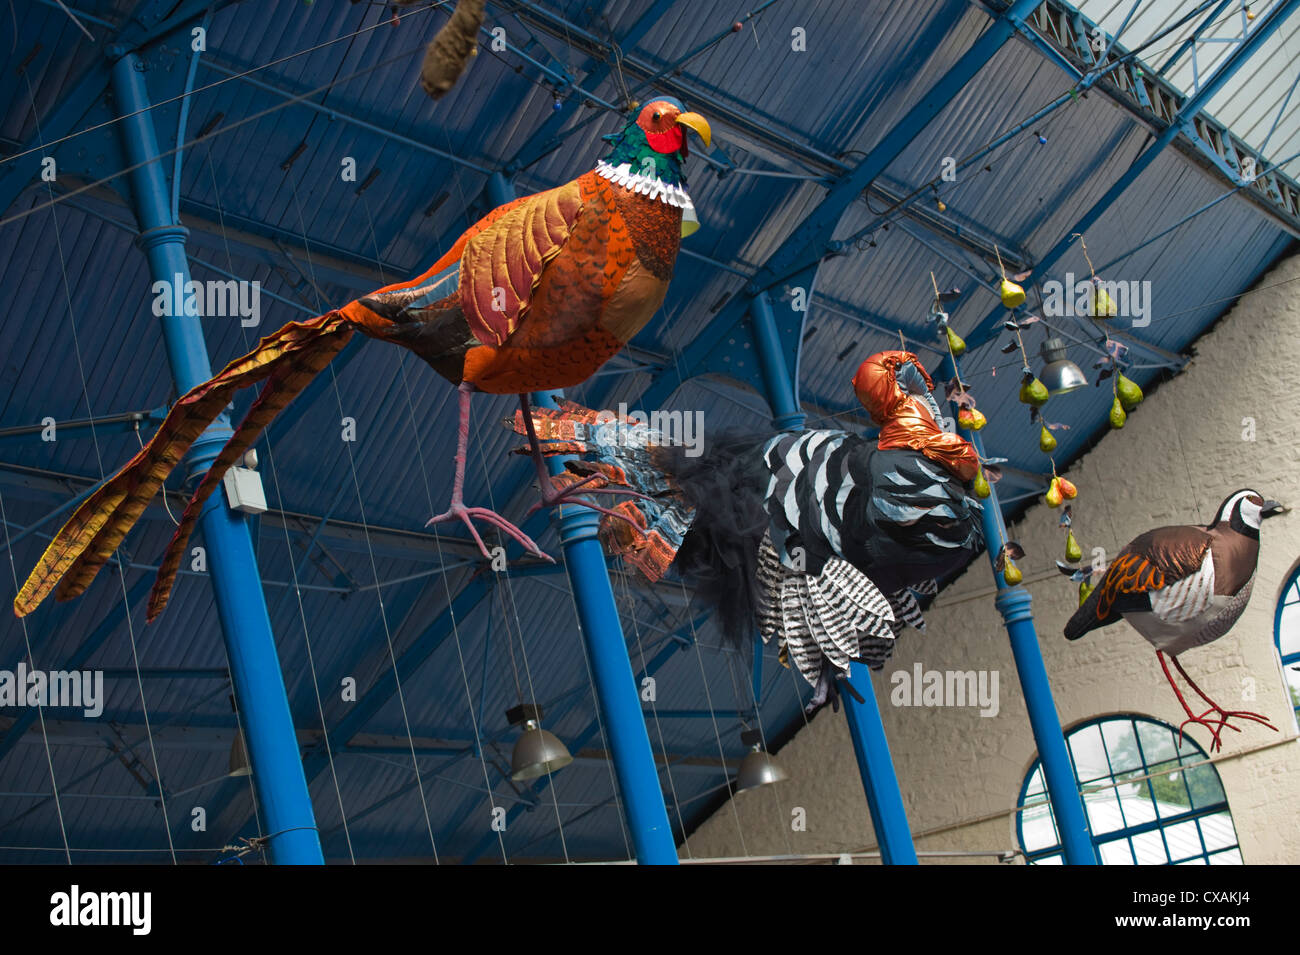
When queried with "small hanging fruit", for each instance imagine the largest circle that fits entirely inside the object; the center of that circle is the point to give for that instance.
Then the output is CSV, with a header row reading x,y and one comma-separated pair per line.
x,y
1128,393
982,488
1011,574
1046,441
1054,497
1068,490
955,342
1073,552
1117,415
1103,306
1033,392
1012,295
1085,588
971,419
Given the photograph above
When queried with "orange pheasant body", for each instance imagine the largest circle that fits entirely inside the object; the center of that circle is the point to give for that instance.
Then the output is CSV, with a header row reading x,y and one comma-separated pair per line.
x,y
537,294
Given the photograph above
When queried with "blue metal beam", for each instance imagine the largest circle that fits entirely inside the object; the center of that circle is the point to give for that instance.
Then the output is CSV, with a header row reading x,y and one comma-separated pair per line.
x,y
1013,602
616,690
987,328
800,252
241,605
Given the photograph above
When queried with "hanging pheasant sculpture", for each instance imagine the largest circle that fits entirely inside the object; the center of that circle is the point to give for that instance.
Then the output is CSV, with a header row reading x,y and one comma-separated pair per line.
x,y
822,538
537,294
1183,587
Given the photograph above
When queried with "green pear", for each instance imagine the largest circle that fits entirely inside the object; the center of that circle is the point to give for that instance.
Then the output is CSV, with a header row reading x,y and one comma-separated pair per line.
x,y
955,343
1085,588
1046,441
1117,415
1130,395
1011,574
982,488
1012,295
1034,392
1073,551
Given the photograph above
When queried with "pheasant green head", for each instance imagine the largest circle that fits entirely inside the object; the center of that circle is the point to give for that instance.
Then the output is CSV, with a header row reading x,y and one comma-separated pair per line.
x,y
654,144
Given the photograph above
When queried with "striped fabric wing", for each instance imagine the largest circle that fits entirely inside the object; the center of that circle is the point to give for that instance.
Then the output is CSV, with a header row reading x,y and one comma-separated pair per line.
x,y
1187,598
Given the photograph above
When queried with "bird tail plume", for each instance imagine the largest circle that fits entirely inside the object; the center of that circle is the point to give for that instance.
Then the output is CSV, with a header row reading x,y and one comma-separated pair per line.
x,y
290,357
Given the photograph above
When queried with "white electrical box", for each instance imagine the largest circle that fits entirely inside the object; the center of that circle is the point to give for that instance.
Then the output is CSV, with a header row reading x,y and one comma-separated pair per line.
x,y
244,490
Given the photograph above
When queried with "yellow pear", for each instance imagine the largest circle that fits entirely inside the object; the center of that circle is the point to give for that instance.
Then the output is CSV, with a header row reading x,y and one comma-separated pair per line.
x,y
1102,304
1046,441
1012,295
1011,574
1054,496
1117,415
1034,392
955,343
1085,588
982,488
1129,394
1073,551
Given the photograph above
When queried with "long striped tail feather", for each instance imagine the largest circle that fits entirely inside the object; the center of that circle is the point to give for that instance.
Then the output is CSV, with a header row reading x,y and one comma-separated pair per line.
x,y
99,525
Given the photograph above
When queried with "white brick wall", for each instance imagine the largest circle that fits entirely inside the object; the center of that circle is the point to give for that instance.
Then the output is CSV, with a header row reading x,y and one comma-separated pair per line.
x,y
960,773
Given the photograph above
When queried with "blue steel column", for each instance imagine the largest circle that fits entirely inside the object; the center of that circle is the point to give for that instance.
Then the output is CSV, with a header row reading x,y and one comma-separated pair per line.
x,y
1014,605
616,688
884,798
241,607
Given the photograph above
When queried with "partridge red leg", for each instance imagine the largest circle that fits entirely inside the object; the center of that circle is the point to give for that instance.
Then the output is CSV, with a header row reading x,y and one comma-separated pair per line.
x,y
1225,715
457,509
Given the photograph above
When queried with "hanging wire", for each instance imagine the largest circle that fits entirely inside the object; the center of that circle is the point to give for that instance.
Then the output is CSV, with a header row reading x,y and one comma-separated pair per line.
x,y
654,707
213,85
374,567
424,475
90,414
293,567
40,707
713,716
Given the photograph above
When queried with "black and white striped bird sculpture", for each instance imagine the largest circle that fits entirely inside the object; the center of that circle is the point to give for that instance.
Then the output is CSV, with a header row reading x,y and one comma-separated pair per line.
x,y
1183,587
820,538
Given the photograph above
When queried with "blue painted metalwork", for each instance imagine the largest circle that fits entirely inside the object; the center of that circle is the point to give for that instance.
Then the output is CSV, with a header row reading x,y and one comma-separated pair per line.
x,y
1199,806
1014,605
884,798
1182,123
876,767
241,605
779,366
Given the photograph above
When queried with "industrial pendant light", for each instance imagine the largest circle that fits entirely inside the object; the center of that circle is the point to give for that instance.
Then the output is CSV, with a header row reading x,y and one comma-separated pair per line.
x,y
537,752
758,768
1060,375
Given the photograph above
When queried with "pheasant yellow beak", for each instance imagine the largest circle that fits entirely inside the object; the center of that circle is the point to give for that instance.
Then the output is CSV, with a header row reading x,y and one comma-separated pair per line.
x,y
698,123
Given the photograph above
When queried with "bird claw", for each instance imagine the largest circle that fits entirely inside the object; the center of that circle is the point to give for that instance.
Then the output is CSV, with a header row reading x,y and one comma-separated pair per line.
x,y
467,515
569,495
1217,726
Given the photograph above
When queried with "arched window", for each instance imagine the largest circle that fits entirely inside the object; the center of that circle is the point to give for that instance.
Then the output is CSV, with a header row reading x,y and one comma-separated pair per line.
x,y
1286,631
1147,803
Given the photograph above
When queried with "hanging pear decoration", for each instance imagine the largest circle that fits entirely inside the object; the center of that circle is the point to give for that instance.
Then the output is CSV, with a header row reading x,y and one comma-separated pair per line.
x,y
1073,552
981,485
1046,441
1117,415
1085,588
971,419
1033,392
1012,295
956,344
1011,574
1068,491
1129,394
1103,306
1054,497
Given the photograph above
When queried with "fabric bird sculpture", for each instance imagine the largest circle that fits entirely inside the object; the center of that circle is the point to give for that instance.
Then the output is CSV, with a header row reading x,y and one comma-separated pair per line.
x,y
821,538
537,294
1183,587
